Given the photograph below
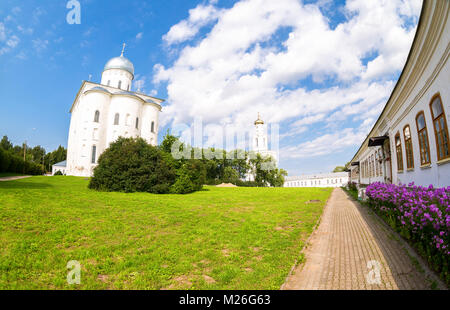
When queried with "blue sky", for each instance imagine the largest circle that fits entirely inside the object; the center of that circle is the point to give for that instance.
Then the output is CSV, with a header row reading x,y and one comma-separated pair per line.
x,y
322,70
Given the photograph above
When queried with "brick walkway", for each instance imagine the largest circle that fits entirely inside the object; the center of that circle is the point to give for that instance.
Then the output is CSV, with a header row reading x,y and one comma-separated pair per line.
x,y
350,237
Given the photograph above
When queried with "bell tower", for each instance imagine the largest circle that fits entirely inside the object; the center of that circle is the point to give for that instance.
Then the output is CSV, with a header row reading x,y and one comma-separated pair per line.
x,y
260,136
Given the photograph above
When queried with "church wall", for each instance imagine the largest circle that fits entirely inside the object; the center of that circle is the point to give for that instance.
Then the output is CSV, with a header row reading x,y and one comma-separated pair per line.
x,y
116,75
85,133
150,114
124,106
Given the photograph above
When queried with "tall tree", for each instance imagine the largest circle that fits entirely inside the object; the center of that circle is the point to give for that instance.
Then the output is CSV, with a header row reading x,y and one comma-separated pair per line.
x,y
6,144
339,169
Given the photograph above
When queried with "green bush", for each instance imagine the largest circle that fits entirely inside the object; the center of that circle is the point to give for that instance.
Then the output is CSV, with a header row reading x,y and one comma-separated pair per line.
x,y
183,184
9,162
58,173
132,165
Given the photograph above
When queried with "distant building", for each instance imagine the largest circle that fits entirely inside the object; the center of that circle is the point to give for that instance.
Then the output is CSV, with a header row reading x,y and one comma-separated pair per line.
x,y
335,179
410,141
103,112
61,166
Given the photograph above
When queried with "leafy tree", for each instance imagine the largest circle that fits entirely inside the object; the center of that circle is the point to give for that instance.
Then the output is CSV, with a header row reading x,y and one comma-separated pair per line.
x,y
38,153
133,165
339,169
168,141
6,144
230,175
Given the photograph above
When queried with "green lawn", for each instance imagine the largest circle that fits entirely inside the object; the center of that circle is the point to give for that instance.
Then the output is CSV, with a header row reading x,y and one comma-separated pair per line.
x,y
218,238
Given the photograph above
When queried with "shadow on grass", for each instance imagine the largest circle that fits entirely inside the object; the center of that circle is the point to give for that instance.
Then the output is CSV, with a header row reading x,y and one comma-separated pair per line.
x,y
17,184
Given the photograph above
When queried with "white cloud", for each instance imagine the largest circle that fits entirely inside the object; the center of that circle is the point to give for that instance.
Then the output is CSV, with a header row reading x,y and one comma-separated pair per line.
x,y
8,41
239,68
186,29
139,83
139,36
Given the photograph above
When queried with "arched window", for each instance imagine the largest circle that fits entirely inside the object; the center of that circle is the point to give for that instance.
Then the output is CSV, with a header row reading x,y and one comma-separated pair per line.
x,y
96,116
127,120
137,123
440,127
94,151
153,127
408,147
116,119
422,133
109,82
398,149
120,85
128,87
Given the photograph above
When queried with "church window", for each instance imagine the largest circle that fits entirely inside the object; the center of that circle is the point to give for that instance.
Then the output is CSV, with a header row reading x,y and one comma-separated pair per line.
x,y
95,134
153,127
94,151
398,151
128,87
440,128
109,82
422,133
127,120
96,116
137,123
408,147
120,85
116,119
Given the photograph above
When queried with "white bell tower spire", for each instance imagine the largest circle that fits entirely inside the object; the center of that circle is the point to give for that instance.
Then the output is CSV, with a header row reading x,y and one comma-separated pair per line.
x,y
260,136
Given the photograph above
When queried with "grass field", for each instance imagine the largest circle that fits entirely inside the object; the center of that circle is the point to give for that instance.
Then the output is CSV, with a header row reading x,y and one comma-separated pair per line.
x,y
218,238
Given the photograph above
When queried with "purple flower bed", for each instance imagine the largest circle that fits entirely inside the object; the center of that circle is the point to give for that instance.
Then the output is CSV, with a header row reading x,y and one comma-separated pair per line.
x,y
420,214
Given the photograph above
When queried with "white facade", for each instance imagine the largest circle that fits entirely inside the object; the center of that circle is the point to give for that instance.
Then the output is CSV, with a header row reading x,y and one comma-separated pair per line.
x,y
336,179
103,112
400,157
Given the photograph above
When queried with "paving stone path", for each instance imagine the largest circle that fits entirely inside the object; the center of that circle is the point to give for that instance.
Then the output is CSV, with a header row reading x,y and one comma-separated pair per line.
x,y
14,178
353,249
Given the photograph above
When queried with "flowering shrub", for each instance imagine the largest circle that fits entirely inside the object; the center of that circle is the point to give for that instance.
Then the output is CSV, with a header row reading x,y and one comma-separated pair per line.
x,y
420,214
352,186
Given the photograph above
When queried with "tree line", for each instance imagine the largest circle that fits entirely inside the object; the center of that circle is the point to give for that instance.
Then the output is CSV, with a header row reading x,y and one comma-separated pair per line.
x,y
16,158
133,165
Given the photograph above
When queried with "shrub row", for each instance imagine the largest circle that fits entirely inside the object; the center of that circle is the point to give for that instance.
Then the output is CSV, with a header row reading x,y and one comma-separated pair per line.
x,y
10,162
420,215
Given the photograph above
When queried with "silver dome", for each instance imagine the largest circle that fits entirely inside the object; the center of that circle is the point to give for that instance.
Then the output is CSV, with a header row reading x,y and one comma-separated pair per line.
x,y
120,63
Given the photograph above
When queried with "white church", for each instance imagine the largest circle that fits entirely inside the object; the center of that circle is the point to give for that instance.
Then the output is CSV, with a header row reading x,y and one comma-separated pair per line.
x,y
103,112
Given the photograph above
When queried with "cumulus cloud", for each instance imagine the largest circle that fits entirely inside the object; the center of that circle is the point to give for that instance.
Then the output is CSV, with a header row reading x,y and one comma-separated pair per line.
x,y
282,58
8,41
188,28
